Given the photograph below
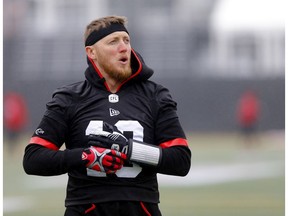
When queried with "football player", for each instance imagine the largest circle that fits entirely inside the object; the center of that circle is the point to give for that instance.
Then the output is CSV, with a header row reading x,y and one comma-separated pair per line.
x,y
119,128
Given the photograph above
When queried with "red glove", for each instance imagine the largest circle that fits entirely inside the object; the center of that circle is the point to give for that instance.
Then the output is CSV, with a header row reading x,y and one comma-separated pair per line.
x,y
103,160
138,152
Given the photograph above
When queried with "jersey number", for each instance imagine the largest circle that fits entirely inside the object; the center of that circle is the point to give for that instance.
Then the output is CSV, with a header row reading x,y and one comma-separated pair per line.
x,y
125,126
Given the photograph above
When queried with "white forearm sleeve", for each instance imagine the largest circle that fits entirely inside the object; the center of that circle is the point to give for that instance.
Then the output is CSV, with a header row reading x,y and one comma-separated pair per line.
x,y
144,153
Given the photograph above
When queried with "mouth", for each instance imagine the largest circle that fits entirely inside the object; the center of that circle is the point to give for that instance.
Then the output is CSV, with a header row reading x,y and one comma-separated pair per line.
x,y
124,60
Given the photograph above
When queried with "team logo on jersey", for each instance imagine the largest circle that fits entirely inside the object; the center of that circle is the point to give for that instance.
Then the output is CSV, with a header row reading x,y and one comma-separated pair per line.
x,y
113,98
39,131
113,112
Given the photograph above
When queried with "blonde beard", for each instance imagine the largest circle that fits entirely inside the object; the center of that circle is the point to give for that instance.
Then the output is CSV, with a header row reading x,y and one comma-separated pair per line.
x,y
114,72
120,75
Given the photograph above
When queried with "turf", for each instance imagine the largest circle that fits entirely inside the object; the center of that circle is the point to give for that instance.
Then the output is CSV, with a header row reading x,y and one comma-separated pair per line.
x,y
245,197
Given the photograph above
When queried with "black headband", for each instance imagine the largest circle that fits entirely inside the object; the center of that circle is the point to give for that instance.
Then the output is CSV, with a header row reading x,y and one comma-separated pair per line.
x,y
103,32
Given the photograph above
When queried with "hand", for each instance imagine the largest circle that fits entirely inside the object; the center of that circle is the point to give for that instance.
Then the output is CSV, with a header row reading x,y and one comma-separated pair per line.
x,y
103,160
110,138
135,151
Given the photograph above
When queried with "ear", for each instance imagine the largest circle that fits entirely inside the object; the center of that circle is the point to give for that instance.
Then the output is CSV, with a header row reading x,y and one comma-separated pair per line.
x,y
90,52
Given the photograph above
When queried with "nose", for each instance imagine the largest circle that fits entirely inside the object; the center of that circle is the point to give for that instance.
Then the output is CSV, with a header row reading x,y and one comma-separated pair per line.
x,y
123,46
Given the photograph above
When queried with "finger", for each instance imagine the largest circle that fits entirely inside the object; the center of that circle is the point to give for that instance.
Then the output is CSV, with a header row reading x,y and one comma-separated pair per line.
x,y
117,163
110,160
113,166
123,156
119,154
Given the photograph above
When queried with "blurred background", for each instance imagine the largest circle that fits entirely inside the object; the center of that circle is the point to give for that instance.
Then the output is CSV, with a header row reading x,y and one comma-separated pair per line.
x,y
223,62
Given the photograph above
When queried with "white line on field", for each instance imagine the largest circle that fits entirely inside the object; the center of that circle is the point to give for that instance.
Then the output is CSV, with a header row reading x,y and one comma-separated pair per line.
x,y
217,174
17,203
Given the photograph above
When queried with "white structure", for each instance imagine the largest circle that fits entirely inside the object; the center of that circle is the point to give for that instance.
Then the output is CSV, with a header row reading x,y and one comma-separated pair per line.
x,y
248,38
49,17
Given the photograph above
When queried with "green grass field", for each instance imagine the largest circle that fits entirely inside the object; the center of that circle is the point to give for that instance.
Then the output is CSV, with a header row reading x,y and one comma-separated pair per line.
x,y
217,189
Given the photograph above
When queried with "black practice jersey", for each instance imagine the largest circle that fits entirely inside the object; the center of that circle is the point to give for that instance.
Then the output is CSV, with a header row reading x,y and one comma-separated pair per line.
x,y
141,109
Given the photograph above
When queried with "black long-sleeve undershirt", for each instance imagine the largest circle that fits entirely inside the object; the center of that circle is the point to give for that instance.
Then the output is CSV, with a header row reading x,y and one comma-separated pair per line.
x,y
39,160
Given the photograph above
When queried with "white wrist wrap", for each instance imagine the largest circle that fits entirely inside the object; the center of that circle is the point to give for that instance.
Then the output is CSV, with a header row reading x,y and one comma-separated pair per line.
x,y
144,153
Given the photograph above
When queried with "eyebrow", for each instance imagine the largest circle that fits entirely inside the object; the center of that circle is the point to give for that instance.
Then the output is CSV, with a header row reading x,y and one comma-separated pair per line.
x,y
118,37
121,36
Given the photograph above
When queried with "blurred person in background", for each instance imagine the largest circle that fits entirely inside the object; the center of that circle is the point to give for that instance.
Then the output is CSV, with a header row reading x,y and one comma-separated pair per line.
x,y
15,117
248,113
119,128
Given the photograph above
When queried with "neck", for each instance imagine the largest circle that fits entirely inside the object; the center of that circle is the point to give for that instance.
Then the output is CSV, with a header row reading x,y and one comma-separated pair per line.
x,y
112,84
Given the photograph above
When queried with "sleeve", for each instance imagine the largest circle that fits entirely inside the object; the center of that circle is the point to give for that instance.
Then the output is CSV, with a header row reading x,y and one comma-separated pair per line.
x,y
176,155
42,155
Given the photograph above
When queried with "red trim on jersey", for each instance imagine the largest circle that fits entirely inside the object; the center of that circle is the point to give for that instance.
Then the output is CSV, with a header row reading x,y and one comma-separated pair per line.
x,y
99,73
174,142
90,209
135,74
43,142
145,209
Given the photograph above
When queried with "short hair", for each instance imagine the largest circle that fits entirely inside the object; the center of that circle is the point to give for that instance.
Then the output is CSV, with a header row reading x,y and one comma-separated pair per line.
x,y
103,23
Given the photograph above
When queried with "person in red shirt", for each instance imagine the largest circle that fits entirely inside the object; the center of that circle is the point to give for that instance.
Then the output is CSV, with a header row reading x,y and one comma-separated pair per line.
x,y
248,111
15,115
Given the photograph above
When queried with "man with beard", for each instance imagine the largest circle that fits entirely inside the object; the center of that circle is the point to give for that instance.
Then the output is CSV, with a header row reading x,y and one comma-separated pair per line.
x,y
119,128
